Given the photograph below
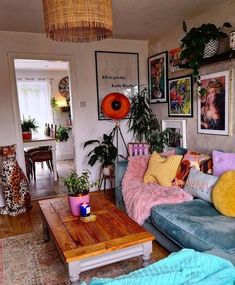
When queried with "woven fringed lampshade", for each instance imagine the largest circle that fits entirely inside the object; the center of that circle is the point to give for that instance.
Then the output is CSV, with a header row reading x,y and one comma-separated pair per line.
x,y
78,20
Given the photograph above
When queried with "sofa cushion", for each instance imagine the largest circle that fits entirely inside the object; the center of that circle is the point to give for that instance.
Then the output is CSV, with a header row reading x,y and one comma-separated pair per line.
x,y
200,185
190,159
222,162
223,194
195,224
162,170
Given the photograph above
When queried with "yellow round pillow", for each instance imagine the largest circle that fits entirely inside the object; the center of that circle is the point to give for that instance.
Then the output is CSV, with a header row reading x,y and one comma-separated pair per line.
x,y
223,194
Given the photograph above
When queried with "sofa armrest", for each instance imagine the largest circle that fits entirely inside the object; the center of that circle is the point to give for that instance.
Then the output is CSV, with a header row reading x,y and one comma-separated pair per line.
x,y
120,168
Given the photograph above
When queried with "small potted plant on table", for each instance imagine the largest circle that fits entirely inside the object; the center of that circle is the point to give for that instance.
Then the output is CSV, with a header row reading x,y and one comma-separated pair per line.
x,y
78,187
27,126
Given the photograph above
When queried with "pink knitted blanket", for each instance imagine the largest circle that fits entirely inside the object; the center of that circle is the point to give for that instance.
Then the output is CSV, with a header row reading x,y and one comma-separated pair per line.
x,y
140,197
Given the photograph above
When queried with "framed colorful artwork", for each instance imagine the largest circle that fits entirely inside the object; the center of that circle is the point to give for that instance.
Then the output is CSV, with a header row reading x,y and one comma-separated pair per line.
x,y
176,126
174,60
213,104
116,72
157,77
180,103
135,149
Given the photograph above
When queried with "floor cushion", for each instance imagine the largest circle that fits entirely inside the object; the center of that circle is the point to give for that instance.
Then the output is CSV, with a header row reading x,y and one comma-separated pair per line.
x,y
195,224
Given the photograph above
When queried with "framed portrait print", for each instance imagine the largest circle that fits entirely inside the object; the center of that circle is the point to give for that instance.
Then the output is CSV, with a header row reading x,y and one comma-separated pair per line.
x,y
157,77
213,110
135,149
116,72
176,126
180,103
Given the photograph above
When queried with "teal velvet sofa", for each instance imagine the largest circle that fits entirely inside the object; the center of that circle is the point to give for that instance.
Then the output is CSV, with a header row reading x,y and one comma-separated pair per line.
x,y
195,224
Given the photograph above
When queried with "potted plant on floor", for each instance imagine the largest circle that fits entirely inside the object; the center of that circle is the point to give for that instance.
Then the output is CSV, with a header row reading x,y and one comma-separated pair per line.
x,y
105,153
144,123
78,187
27,126
198,42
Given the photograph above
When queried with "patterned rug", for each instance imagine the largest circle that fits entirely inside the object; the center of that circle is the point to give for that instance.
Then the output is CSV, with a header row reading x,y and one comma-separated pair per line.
x,y
27,260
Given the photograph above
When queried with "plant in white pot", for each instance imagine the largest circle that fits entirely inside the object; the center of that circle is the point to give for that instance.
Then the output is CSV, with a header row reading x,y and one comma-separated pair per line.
x,y
78,187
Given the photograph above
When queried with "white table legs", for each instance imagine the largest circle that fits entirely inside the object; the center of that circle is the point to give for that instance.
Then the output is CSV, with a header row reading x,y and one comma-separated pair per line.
x,y
76,267
53,150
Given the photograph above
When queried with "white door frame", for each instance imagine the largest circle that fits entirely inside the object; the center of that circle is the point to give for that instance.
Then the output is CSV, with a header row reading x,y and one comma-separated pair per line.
x,y
15,102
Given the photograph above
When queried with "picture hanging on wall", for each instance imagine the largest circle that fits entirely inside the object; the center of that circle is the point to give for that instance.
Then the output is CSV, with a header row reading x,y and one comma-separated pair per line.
x,y
180,102
213,110
116,72
176,126
157,77
135,149
174,60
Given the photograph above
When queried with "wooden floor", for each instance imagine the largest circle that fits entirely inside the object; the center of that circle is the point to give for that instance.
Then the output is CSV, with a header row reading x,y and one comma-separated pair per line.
x,y
45,186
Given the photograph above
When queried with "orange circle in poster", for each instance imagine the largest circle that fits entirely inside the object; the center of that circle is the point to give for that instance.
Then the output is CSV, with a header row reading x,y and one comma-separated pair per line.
x,y
115,106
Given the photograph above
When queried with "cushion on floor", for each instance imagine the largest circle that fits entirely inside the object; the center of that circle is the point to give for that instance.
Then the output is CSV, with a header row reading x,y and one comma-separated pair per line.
x,y
195,224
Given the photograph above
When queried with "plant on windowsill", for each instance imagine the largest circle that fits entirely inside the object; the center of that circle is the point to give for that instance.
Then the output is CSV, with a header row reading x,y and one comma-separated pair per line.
x,y
28,126
196,42
78,187
144,123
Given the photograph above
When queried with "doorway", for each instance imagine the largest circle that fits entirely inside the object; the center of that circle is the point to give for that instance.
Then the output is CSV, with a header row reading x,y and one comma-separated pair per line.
x,y
43,93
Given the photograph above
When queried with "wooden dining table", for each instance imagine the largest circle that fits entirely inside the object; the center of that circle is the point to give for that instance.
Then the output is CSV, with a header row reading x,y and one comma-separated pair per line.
x,y
39,140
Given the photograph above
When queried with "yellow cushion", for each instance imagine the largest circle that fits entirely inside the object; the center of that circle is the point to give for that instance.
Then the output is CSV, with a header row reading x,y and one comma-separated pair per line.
x,y
162,169
223,194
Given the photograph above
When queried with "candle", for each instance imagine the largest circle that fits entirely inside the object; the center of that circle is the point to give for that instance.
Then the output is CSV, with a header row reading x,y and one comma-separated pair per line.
x,y
85,209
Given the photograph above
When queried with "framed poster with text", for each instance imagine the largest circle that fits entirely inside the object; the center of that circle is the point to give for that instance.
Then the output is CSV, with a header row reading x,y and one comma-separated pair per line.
x,y
116,72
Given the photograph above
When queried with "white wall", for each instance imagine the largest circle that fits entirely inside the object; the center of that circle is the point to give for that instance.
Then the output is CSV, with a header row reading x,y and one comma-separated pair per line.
x,y
217,15
85,123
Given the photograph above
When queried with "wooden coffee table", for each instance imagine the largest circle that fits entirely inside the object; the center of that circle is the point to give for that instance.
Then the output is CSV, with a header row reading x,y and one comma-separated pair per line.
x,y
83,246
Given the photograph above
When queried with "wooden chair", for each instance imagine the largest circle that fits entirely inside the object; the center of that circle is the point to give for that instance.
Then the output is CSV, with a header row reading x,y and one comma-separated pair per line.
x,y
42,154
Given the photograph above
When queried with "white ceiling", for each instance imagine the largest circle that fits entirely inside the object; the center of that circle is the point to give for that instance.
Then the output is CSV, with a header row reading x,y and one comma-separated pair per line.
x,y
133,19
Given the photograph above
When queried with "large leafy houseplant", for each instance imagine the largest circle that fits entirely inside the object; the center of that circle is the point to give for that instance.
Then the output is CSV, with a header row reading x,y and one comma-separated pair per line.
x,y
144,123
62,134
194,42
105,152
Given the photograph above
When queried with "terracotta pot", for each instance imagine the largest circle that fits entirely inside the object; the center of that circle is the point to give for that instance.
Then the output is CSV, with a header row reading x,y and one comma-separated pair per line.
x,y
27,135
76,201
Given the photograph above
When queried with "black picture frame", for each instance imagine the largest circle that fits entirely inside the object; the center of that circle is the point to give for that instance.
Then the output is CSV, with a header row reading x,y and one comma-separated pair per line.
x,y
157,77
180,97
116,72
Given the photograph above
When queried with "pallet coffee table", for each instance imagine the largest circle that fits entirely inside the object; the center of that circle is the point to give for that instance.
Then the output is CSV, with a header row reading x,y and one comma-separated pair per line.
x,y
83,246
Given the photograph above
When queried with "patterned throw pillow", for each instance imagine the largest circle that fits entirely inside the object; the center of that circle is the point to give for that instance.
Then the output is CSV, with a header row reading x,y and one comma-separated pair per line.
x,y
190,159
200,184
162,170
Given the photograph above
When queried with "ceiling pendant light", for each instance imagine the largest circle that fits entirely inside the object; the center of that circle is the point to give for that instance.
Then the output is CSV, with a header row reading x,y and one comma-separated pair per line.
x,y
78,20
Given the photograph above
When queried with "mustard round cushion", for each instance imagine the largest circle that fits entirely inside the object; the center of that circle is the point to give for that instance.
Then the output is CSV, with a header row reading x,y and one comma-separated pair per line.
x,y
223,194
